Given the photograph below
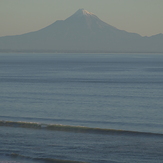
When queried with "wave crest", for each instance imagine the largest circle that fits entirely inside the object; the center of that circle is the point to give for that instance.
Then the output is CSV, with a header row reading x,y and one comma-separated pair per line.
x,y
68,128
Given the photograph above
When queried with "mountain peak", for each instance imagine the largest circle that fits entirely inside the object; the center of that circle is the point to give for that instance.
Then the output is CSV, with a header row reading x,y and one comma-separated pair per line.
x,y
83,12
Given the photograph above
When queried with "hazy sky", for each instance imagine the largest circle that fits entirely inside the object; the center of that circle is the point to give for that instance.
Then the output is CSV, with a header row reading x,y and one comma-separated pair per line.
x,y
139,16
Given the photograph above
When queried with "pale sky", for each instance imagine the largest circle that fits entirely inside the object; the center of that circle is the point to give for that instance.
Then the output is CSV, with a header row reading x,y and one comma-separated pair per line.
x,y
144,17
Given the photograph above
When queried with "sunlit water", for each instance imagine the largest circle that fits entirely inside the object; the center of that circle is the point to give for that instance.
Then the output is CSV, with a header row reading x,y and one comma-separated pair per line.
x,y
105,91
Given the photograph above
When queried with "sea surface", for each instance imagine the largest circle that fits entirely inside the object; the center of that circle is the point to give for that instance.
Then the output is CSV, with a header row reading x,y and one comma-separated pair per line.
x,y
73,108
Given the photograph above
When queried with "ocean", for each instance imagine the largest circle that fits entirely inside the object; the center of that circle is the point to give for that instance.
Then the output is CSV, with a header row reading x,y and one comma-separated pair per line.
x,y
81,108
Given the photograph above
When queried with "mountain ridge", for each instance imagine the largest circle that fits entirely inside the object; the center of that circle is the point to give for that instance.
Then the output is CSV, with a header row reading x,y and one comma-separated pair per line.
x,y
81,32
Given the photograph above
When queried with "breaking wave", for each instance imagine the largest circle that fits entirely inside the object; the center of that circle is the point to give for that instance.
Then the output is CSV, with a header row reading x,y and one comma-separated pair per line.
x,y
68,128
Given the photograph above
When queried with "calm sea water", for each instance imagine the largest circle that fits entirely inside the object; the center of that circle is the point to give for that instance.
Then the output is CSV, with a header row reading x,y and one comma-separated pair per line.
x,y
92,108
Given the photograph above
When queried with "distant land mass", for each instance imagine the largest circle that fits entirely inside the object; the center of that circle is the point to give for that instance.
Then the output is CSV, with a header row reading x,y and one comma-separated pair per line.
x,y
82,32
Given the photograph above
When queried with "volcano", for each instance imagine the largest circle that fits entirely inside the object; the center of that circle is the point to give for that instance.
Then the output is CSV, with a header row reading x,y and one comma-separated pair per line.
x,y
81,32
